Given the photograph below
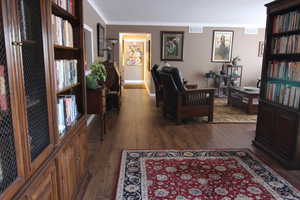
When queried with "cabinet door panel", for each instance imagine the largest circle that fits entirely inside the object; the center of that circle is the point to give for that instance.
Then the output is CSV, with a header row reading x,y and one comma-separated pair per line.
x,y
11,156
45,188
35,78
285,133
265,124
83,139
67,162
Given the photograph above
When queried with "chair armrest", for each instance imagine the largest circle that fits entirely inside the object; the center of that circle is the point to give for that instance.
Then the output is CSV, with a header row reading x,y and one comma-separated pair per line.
x,y
199,96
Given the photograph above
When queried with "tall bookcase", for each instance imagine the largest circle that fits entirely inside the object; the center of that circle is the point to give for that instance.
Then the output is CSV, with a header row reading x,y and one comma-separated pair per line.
x,y
278,127
43,138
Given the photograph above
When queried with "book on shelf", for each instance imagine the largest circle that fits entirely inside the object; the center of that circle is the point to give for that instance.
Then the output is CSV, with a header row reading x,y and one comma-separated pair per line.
x,y
286,22
284,70
286,44
62,32
67,112
66,73
283,94
67,5
3,94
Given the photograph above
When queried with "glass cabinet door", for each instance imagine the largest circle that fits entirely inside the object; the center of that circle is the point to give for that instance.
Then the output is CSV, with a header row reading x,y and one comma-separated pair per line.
x,y
35,72
10,156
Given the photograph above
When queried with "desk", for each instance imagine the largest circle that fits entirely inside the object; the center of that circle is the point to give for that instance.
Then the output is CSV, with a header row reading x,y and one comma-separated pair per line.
x,y
96,104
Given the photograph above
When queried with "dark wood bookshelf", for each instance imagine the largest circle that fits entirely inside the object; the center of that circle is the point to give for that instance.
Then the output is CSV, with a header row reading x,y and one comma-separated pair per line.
x,y
286,33
284,57
278,125
64,48
60,12
68,88
280,106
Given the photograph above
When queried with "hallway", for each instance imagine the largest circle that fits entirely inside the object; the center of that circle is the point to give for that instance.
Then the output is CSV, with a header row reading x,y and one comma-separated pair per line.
x,y
140,125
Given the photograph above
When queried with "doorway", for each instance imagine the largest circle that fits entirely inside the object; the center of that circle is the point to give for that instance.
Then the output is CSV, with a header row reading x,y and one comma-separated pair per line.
x,y
135,58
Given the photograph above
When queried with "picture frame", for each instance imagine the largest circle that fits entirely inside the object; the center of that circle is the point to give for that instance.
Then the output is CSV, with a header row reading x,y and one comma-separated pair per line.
x,y
172,45
100,40
261,47
222,46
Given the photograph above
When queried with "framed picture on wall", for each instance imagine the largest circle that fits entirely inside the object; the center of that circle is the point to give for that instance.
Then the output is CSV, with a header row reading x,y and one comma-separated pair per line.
x,y
100,40
261,46
222,46
172,46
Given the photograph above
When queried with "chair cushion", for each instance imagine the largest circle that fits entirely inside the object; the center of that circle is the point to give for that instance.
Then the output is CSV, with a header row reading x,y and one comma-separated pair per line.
x,y
175,75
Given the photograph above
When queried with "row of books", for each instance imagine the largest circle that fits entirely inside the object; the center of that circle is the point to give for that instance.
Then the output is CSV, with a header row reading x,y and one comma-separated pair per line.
x,y
67,112
68,5
283,94
284,70
286,44
62,32
66,73
286,22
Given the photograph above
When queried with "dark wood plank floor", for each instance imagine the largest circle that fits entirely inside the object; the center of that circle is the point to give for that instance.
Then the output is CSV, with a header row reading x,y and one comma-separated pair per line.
x,y
140,125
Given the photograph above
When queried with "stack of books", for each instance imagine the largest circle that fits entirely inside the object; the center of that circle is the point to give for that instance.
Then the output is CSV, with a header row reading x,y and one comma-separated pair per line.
x,y
286,22
62,32
68,5
67,112
284,70
283,94
66,73
286,45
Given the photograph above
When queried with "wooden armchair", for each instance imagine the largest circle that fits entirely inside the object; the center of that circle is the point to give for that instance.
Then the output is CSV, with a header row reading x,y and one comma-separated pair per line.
x,y
157,84
183,103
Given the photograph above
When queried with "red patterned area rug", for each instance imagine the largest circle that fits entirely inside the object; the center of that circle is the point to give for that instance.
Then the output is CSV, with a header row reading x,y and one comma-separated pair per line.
x,y
199,175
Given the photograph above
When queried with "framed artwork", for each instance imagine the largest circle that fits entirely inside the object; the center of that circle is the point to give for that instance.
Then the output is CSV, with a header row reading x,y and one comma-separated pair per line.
x,y
222,46
261,46
100,40
134,53
172,46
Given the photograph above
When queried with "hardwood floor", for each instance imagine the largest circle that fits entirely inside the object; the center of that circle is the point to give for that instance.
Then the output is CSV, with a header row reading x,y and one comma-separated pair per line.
x,y
140,125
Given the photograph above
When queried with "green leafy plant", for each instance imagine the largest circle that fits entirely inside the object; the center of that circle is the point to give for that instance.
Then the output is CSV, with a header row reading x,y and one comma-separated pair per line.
x,y
98,71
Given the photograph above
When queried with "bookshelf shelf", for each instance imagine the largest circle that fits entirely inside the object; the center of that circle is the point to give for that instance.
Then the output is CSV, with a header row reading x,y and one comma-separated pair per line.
x,y
60,12
284,81
64,48
286,33
68,88
282,107
284,57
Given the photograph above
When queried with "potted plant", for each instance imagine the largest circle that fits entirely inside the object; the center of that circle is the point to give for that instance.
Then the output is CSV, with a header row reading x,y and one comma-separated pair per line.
x,y
97,77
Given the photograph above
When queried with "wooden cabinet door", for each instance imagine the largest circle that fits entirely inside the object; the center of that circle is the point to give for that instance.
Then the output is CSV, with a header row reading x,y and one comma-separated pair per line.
x,y
83,154
67,164
45,187
35,94
265,124
285,133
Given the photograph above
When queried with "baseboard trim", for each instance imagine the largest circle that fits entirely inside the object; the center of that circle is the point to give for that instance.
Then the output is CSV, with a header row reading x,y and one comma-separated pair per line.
x,y
132,82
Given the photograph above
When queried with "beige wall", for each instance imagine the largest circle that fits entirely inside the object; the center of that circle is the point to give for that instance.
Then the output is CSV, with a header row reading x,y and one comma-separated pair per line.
x,y
91,18
197,51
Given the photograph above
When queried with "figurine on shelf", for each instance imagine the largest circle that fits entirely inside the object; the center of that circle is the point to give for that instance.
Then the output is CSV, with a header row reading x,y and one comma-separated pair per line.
x,y
235,60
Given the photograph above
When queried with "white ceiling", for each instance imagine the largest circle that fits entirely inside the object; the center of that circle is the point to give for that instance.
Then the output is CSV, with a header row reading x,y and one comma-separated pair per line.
x,y
245,13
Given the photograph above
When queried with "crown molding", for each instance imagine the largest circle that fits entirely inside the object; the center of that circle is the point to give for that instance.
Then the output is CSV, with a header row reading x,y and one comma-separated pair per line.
x,y
98,10
141,23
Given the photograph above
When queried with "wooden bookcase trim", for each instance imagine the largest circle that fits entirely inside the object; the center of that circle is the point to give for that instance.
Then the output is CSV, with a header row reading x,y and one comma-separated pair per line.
x,y
60,12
